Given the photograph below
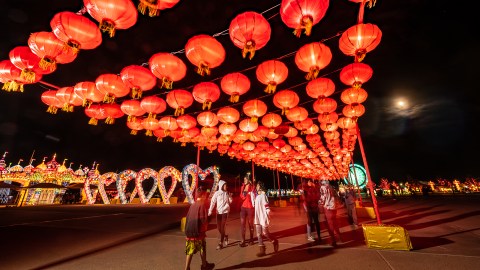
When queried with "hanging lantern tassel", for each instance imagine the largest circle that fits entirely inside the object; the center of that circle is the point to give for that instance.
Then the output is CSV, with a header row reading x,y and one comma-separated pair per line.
x,y
6,86
151,5
93,121
360,55
52,109
151,116
133,132
149,133
254,119
13,86
166,83
136,93
284,111
28,75
234,98
108,99
159,139
86,103
306,23
207,105
183,144
357,85
249,48
107,26
313,73
271,87
131,118
47,63
203,69
66,107
109,120
179,111
72,45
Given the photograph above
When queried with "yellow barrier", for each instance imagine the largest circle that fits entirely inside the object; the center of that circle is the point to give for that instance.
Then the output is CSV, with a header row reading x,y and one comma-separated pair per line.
x,y
173,200
115,201
155,201
182,224
366,212
386,237
135,200
283,203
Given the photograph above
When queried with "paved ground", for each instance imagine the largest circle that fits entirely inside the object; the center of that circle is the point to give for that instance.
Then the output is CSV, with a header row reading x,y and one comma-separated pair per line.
x,y
445,232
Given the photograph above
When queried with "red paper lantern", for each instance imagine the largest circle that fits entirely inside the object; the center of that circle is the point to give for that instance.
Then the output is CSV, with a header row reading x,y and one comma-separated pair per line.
x,y
23,58
272,73
227,129
76,31
249,31
120,14
325,105
285,100
321,87
113,112
88,92
248,126
228,115
179,100
49,97
353,96
209,132
112,86
279,143
151,125
207,119
313,57
135,125
261,132
10,77
248,146
297,114
64,95
46,46
302,14
153,105
132,108
186,122
206,93
138,78
168,123
95,112
331,117
353,110
346,123
205,52
329,126
154,6
360,39
356,74
168,68
303,125
235,85
254,108
271,120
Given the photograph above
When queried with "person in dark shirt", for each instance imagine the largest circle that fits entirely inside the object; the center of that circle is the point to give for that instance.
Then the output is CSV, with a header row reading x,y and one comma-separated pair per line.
x,y
195,227
311,197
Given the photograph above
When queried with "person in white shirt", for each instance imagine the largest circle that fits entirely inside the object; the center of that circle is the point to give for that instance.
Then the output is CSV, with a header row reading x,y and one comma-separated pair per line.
x,y
222,200
330,201
262,219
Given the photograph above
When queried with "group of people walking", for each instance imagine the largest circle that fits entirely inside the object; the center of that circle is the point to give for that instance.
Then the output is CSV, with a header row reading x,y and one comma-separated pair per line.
x,y
254,213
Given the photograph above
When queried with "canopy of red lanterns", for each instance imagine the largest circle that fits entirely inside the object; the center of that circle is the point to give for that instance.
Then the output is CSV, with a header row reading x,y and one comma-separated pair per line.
x,y
288,137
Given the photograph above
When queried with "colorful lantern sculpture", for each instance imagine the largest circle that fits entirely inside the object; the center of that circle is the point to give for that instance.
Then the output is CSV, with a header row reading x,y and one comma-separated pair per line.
x,y
272,73
205,52
313,57
168,68
302,14
206,93
76,31
179,100
235,85
138,79
249,31
120,14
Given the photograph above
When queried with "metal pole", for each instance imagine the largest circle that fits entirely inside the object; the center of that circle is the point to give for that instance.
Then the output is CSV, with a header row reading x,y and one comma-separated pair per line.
x,y
253,173
278,180
370,183
356,181
293,186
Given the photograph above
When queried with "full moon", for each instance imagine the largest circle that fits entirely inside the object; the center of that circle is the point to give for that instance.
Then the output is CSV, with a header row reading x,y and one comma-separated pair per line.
x,y
401,104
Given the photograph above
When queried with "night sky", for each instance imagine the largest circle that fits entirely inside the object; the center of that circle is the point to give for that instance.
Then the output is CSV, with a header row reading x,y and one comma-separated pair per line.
x,y
427,56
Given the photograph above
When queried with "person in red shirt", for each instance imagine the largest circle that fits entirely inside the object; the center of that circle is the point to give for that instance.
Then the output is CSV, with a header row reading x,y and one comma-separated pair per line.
x,y
247,196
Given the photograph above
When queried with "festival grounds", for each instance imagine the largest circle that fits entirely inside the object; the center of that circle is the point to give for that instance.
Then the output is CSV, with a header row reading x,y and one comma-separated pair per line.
x,y
444,230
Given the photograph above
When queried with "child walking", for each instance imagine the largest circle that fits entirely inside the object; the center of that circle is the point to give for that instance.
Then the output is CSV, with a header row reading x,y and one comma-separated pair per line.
x,y
262,219
195,227
222,199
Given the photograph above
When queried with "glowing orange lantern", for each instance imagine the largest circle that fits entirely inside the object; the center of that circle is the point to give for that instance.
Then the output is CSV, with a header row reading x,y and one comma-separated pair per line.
x,y
206,93
272,73
255,108
285,100
353,96
331,117
135,125
248,146
228,115
50,98
249,31
88,92
76,31
95,112
23,58
46,46
151,125
313,57
302,14
159,133
168,123
205,52
279,143
112,86
10,76
271,120
120,14
353,110
346,123
168,68
113,112
356,74
179,100
292,132
209,132
248,126
329,126
303,125
360,39
138,78
154,6
325,105
64,95
186,122
227,129
295,141
235,85
320,88
132,108
153,105
297,114
207,119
